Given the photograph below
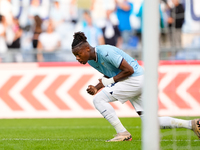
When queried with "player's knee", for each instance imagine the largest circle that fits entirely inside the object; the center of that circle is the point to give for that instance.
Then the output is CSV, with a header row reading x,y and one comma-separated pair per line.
x,y
99,101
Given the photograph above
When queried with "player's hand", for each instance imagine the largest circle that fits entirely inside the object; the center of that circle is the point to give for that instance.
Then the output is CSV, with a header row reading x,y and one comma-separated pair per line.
x,y
92,90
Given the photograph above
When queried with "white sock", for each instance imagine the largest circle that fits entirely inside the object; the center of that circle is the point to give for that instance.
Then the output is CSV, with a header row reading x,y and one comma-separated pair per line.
x,y
169,122
108,113
114,121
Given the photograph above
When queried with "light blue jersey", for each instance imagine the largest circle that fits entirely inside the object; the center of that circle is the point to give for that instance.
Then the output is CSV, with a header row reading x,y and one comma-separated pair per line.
x,y
109,59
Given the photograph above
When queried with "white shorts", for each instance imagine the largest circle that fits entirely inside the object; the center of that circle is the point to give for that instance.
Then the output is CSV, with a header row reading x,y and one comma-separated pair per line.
x,y
128,89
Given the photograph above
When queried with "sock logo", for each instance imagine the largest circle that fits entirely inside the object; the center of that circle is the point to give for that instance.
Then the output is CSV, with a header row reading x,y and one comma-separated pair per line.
x,y
103,111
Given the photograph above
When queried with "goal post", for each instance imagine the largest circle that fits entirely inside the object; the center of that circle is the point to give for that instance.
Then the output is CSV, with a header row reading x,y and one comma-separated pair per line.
x,y
150,39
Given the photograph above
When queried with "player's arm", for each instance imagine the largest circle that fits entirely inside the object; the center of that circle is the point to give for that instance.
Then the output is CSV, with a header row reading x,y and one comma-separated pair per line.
x,y
92,90
126,71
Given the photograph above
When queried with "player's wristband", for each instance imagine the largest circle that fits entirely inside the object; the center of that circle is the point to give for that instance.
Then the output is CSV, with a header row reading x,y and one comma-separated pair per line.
x,y
107,81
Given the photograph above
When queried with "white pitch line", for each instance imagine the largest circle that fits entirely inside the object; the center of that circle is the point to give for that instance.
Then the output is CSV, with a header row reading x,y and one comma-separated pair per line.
x,y
20,139
25,139
67,127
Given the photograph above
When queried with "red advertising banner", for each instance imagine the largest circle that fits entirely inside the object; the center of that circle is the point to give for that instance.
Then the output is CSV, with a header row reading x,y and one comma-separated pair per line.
x,y
50,90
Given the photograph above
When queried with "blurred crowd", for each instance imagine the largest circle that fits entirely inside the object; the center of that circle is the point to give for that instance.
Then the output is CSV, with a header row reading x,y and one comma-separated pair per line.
x,y
42,30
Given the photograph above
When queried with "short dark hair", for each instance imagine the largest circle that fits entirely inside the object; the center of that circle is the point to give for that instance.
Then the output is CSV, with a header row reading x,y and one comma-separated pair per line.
x,y
79,39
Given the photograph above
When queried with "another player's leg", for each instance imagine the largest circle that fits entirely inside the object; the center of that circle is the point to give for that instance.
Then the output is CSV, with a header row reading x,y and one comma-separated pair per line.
x,y
101,103
170,122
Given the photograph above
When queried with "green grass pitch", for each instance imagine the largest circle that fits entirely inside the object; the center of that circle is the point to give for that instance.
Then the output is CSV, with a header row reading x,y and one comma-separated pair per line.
x,y
84,134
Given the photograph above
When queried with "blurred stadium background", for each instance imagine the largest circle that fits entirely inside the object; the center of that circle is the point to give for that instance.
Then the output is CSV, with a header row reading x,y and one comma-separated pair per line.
x,y
40,78
22,22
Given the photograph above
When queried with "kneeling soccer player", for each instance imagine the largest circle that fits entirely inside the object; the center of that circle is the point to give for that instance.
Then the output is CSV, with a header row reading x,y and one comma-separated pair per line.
x,y
122,81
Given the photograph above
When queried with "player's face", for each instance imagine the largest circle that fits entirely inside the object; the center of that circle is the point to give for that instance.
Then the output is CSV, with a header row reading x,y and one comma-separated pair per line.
x,y
82,55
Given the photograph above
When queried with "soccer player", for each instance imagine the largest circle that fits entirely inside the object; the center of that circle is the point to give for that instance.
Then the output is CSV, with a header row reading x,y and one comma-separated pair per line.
x,y
122,81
